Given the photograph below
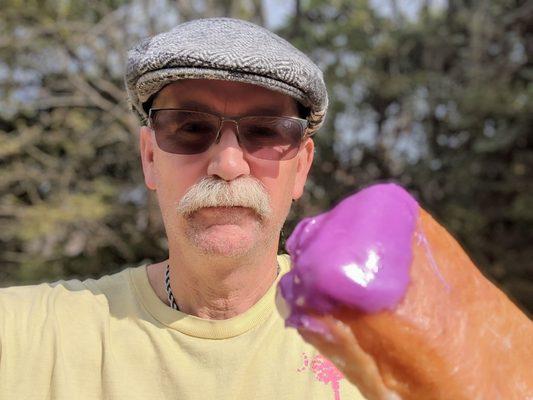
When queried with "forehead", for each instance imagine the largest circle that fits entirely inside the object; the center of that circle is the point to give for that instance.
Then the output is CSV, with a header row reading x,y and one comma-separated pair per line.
x,y
228,97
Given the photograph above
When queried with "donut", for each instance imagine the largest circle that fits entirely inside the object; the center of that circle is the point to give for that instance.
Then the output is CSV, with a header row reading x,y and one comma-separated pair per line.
x,y
386,293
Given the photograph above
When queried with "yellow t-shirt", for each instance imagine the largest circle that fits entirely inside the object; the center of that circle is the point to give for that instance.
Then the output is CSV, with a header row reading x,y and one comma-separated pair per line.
x,y
113,338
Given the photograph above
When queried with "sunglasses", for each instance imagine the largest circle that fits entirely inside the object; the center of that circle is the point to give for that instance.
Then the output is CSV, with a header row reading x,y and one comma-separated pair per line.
x,y
192,132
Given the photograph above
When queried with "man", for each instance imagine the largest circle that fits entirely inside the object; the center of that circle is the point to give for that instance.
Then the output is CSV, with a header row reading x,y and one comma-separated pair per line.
x,y
229,109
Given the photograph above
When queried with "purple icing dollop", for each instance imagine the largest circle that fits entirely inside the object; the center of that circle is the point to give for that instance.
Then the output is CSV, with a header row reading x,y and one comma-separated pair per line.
x,y
357,255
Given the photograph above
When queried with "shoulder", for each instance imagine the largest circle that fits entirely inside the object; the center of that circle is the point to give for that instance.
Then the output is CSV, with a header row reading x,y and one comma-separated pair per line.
x,y
63,298
284,262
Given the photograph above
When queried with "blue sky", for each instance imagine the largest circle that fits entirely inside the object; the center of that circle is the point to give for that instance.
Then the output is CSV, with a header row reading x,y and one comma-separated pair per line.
x,y
277,11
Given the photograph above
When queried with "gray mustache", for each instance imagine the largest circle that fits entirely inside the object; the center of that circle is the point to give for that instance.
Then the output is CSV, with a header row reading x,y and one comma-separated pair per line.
x,y
214,192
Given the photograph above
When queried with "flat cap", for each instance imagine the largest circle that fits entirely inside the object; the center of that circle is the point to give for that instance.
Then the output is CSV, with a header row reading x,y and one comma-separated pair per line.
x,y
225,49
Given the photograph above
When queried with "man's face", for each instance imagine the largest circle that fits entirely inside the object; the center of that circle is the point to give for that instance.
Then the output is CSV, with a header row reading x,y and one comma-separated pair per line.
x,y
223,231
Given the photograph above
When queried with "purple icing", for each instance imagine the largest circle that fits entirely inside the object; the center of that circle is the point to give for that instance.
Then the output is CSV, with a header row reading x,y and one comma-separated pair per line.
x,y
358,254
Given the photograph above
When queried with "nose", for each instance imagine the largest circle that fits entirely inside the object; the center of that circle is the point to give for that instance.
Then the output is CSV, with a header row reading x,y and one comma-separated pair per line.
x,y
227,157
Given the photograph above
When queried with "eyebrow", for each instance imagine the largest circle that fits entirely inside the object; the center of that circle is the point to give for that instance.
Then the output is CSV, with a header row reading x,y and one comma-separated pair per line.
x,y
271,111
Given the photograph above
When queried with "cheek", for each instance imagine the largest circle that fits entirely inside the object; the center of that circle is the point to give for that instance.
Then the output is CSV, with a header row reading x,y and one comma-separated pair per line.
x,y
278,178
175,174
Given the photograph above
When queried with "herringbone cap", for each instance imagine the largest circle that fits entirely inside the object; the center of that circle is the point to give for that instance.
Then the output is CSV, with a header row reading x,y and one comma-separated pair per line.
x,y
225,49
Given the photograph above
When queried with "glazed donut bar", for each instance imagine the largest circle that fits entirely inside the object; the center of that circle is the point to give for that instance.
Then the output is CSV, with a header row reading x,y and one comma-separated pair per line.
x,y
388,295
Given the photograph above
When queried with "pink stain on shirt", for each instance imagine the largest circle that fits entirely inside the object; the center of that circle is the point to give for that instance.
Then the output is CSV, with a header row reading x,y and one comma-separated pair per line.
x,y
324,371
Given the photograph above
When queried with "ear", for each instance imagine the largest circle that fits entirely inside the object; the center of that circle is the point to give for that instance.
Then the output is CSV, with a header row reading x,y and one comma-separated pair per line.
x,y
304,161
147,157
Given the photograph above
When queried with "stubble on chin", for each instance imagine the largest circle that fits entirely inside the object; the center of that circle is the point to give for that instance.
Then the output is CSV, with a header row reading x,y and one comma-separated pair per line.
x,y
237,238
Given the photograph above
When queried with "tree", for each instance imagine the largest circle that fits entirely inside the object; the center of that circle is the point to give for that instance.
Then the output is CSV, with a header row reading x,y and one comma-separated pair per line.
x,y
440,103
439,100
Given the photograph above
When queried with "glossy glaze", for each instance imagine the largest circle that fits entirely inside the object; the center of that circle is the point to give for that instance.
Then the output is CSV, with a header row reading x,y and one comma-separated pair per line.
x,y
357,255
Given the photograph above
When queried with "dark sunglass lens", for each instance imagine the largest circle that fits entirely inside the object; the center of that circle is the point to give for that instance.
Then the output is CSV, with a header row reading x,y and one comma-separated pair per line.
x,y
184,132
271,138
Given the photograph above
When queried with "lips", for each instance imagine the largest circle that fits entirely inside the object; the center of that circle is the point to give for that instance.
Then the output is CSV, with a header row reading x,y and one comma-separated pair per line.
x,y
223,212
224,215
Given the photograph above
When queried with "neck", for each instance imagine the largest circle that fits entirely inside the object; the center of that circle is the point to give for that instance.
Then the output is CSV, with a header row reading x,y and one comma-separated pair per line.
x,y
212,287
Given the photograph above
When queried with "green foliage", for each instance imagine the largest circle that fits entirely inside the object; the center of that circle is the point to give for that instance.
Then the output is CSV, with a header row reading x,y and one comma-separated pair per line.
x,y
440,102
